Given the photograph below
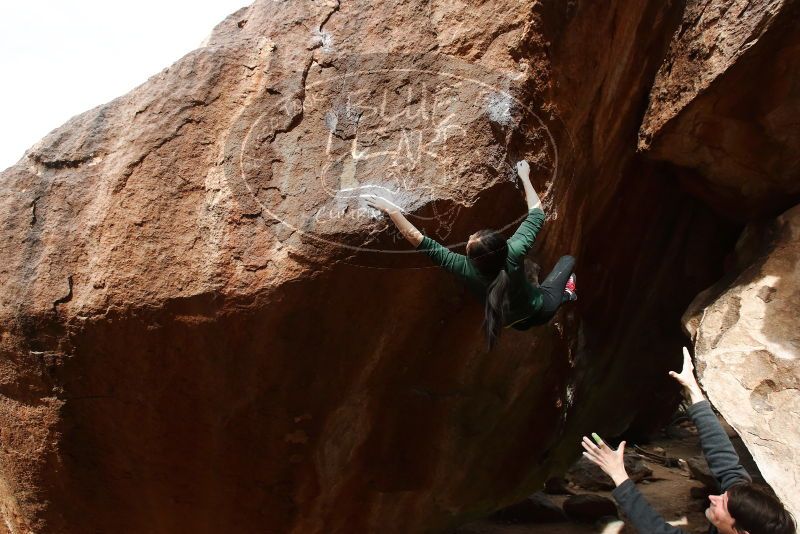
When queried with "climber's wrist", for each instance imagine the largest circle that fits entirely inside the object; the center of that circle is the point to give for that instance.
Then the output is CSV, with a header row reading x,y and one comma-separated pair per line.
x,y
619,478
696,395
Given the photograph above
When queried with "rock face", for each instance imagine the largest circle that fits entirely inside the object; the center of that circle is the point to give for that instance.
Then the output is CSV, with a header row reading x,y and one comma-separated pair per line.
x,y
589,476
724,102
589,507
536,508
203,330
699,470
747,344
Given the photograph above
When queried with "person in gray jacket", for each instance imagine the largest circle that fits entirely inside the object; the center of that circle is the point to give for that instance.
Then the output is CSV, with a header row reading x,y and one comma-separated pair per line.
x,y
743,508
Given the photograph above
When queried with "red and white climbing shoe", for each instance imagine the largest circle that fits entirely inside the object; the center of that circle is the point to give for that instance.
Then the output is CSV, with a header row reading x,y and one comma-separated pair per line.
x,y
570,289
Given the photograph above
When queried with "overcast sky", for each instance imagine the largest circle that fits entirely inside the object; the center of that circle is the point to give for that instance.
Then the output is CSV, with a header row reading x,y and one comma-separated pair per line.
x,y
61,57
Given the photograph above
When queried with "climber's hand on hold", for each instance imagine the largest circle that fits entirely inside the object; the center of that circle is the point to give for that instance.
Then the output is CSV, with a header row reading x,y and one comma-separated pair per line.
x,y
687,380
611,461
381,204
394,212
524,171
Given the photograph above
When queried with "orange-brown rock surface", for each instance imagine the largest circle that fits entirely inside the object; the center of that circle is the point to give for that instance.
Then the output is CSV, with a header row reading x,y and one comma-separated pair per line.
x,y
726,105
202,329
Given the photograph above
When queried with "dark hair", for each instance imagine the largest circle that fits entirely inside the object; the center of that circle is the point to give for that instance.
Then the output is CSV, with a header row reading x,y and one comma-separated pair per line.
x,y
758,512
488,253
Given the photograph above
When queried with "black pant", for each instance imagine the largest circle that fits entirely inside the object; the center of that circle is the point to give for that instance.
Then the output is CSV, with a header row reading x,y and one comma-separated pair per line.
x,y
553,295
553,286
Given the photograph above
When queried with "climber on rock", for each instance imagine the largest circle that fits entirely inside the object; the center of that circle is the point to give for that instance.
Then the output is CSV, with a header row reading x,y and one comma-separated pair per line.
x,y
743,508
494,268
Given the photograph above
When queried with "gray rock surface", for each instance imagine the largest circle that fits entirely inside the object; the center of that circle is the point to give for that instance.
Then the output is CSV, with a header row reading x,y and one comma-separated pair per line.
x,y
537,508
588,508
747,349
588,476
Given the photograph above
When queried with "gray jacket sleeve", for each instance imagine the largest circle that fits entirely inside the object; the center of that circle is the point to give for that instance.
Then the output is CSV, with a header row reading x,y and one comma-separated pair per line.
x,y
639,512
722,460
717,447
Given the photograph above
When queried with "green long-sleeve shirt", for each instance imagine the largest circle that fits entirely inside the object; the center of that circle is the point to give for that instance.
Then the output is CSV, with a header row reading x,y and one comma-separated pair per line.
x,y
525,300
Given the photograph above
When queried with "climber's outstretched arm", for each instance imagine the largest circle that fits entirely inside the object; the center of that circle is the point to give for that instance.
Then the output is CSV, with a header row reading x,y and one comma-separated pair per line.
x,y
405,227
524,171
631,501
722,459
521,242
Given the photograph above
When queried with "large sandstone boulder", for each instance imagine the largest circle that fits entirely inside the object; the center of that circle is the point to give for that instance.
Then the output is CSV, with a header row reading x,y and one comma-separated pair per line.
x,y
203,330
747,346
726,102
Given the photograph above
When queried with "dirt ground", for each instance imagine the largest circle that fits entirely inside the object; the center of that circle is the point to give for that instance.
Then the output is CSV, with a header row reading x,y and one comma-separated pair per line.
x,y
668,491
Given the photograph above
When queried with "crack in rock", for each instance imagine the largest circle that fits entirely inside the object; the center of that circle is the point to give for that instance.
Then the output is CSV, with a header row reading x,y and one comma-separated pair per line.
x,y
65,298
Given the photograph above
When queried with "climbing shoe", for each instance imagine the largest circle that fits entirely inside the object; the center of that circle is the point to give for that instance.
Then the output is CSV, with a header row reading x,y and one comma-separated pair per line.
x,y
570,288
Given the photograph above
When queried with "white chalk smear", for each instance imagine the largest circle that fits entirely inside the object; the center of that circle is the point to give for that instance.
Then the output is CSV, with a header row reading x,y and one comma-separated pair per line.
x,y
499,107
331,120
325,39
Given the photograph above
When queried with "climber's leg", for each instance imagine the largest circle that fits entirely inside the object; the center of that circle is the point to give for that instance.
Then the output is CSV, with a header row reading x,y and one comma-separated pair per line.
x,y
553,287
